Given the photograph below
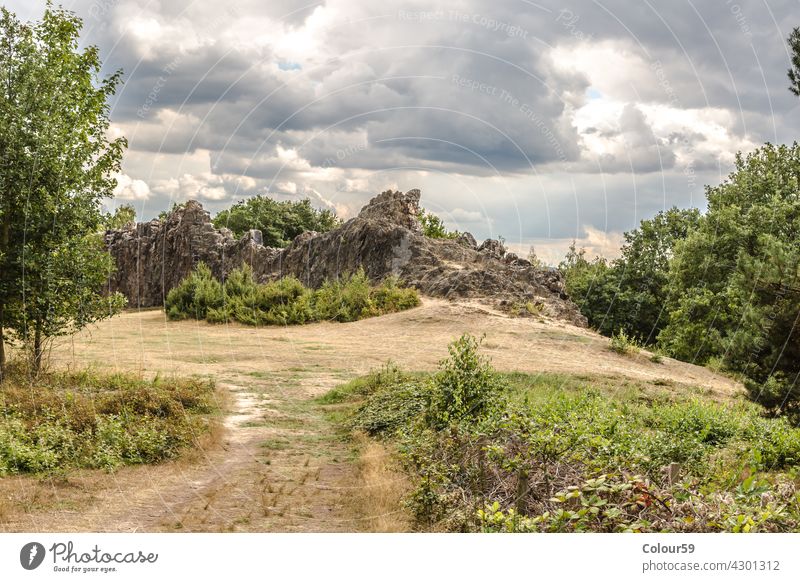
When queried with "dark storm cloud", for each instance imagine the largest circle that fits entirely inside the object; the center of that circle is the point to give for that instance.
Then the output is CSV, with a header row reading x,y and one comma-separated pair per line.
x,y
387,89
478,82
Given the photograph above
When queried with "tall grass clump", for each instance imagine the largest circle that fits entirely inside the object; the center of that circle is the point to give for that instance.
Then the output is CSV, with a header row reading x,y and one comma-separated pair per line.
x,y
622,344
285,301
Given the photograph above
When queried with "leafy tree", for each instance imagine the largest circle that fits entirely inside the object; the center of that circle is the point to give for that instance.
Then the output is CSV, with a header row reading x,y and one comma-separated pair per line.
x,y
628,294
734,284
56,166
592,287
433,226
643,271
121,217
279,222
794,70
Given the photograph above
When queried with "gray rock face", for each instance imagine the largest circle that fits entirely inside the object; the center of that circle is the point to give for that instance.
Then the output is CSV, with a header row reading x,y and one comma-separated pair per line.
x,y
492,248
384,239
152,257
466,239
394,207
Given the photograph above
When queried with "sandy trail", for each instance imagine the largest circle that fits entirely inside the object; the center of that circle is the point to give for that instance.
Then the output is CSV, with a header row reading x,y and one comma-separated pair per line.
x,y
279,465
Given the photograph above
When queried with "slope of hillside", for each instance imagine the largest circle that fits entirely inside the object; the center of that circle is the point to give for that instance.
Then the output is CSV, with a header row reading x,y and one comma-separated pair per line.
x,y
281,465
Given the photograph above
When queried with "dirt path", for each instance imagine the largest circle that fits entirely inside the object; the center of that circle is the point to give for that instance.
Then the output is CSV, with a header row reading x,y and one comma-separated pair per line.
x,y
278,464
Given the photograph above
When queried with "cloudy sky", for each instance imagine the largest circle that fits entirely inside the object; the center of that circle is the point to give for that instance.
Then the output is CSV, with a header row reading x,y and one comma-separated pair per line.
x,y
541,122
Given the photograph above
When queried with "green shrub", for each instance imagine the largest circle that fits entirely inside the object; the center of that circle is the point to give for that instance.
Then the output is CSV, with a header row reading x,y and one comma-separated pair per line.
x,y
65,421
465,387
390,296
346,299
285,301
706,423
385,377
393,408
573,459
195,295
433,226
622,344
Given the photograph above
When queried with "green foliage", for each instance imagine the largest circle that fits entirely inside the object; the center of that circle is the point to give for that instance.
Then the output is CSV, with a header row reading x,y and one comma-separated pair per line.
x,y
195,295
433,226
279,222
345,299
629,294
390,296
622,344
466,387
734,283
66,421
285,301
57,165
394,408
574,460
794,71
123,216
363,386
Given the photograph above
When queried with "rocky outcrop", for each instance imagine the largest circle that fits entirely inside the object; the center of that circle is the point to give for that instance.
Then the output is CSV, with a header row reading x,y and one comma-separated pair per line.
x,y
396,208
384,239
152,257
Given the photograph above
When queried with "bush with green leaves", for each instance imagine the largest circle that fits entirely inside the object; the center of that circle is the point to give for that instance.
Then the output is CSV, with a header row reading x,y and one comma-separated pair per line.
x,y
195,295
433,226
285,301
466,387
622,344
279,221
549,453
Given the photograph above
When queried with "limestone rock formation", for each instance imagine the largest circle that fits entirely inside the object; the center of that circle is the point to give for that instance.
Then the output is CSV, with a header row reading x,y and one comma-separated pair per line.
x,y
384,239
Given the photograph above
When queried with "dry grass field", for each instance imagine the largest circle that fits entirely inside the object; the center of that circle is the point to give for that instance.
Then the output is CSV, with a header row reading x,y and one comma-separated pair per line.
x,y
275,462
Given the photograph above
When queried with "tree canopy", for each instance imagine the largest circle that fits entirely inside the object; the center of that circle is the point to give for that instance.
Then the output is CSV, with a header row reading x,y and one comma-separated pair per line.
x,y
722,285
279,221
56,165
628,294
734,284
122,216
794,69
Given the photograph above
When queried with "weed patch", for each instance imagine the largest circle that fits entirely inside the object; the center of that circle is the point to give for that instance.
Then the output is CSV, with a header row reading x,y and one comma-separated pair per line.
x,y
66,421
